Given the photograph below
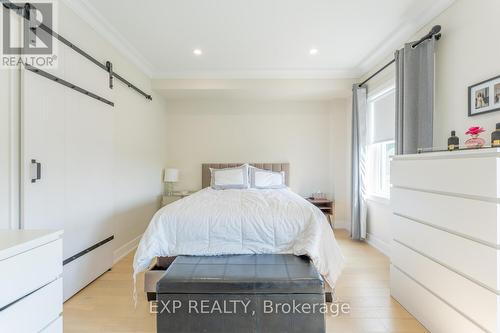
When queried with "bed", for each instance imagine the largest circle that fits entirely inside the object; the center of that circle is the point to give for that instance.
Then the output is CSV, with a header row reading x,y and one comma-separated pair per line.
x,y
241,221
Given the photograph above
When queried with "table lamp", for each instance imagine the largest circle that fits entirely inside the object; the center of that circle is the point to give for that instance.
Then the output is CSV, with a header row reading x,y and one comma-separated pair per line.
x,y
171,176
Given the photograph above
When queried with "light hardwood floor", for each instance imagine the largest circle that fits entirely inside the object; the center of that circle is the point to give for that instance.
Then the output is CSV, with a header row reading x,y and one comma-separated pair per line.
x,y
106,305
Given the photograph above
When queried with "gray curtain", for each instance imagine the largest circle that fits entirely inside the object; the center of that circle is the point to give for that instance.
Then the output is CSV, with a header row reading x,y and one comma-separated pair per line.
x,y
414,97
358,208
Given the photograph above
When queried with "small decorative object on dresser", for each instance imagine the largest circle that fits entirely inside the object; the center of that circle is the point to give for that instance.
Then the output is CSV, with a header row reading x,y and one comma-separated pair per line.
x,y
171,176
326,206
475,141
484,97
495,136
453,142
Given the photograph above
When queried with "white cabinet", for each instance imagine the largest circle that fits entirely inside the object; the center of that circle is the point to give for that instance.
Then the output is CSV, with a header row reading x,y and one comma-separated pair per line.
x,y
31,293
445,258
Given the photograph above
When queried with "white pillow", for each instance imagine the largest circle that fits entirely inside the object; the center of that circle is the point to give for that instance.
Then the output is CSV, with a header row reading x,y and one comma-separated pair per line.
x,y
266,179
229,178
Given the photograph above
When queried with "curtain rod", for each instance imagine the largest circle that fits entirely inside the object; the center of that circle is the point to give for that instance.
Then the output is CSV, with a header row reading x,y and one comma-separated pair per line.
x,y
435,32
108,67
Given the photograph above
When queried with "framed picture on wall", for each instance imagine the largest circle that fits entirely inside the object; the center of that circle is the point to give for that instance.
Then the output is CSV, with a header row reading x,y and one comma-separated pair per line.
x,y
484,97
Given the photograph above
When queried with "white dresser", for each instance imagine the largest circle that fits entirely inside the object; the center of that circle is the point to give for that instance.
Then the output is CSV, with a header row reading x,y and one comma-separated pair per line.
x,y
446,237
30,281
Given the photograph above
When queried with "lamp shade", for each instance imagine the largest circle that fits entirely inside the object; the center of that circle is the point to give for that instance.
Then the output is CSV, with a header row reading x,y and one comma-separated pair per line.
x,y
171,175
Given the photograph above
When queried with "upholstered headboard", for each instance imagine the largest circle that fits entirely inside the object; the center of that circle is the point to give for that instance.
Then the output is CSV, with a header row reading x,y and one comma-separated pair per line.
x,y
205,170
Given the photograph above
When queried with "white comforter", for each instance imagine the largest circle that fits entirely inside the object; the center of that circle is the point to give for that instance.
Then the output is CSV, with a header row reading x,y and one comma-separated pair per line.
x,y
212,222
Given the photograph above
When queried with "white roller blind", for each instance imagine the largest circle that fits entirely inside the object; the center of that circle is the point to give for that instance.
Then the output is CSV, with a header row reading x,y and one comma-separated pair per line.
x,y
381,118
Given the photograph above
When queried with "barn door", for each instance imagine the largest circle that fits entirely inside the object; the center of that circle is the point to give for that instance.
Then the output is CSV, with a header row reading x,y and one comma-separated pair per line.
x,y
67,158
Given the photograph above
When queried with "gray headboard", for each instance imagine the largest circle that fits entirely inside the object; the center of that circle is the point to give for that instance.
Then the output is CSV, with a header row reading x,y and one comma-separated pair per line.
x,y
205,170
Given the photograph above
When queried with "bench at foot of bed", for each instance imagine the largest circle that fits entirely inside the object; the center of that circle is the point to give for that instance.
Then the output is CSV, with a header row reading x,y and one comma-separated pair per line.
x,y
241,293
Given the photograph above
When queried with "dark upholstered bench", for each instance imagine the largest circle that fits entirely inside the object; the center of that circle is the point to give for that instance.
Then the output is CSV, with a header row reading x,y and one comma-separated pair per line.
x,y
241,293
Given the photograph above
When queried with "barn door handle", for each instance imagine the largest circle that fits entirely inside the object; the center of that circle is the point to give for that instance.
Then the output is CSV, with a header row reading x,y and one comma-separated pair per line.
x,y
36,171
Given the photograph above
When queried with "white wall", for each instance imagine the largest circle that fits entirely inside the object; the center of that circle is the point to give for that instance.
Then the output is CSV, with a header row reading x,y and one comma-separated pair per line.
x,y
466,54
309,135
340,160
378,224
139,136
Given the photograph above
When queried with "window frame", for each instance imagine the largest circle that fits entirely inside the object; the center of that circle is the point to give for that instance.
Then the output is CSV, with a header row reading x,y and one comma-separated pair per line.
x,y
375,189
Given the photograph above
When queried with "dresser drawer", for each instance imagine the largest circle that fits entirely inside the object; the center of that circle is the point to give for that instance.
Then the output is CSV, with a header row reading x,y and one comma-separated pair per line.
x,y
29,271
476,218
449,175
431,311
41,308
480,304
477,261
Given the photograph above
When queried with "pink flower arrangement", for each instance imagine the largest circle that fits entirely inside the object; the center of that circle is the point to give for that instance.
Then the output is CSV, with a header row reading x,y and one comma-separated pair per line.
x,y
475,130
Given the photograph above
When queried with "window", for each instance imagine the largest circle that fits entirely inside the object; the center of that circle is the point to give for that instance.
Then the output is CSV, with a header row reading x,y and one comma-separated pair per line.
x,y
381,146
379,172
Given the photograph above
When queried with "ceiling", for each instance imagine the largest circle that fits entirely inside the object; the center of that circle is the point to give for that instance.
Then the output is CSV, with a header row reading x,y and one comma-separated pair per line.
x,y
257,39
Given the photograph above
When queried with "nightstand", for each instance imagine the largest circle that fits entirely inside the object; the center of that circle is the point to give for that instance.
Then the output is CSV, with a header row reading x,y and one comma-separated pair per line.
x,y
168,199
326,206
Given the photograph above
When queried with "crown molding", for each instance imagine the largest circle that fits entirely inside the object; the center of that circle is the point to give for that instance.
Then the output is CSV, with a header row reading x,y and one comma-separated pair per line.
x,y
90,15
351,73
402,35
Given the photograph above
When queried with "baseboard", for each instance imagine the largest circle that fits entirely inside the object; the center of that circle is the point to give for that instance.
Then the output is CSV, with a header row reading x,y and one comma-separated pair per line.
x,y
125,249
379,244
